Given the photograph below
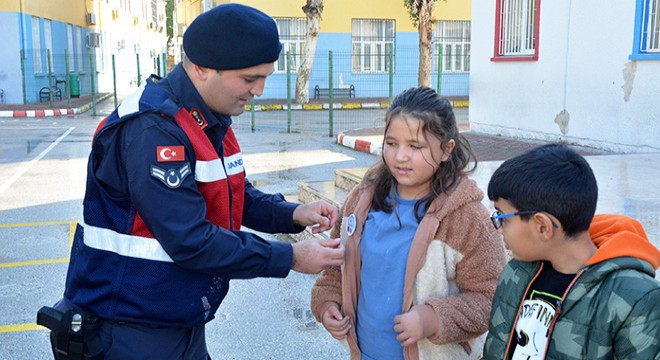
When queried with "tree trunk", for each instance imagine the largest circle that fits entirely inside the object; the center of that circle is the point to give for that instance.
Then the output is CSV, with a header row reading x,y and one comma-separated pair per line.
x,y
425,28
313,10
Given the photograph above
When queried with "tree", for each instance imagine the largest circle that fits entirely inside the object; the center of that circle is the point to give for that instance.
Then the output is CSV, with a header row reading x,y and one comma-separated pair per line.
x,y
313,10
421,12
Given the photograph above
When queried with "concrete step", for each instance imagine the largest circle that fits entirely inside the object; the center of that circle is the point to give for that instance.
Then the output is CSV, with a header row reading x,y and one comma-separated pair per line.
x,y
332,191
347,178
321,190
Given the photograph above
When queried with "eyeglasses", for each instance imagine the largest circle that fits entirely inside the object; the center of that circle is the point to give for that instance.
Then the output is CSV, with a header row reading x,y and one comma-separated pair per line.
x,y
498,219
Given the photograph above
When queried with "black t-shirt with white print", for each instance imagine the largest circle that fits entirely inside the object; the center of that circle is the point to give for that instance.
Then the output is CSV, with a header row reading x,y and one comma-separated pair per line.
x,y
539,307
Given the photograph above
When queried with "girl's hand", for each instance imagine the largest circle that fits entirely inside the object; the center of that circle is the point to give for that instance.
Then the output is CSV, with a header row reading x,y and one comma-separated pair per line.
x,y
416,324
336,324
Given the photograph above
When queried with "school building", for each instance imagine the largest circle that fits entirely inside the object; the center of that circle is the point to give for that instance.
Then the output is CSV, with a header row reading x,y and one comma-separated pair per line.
x,y
60,44
585,72
374,45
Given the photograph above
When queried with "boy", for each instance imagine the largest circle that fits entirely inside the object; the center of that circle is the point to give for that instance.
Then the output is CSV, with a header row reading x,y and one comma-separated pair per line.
x,y
579,286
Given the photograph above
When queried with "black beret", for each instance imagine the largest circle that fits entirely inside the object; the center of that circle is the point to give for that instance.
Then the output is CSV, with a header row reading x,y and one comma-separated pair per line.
x,y
232,36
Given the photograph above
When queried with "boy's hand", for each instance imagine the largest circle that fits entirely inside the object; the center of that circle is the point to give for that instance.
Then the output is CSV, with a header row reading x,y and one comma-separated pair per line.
x,y
317,212
416,324
336,324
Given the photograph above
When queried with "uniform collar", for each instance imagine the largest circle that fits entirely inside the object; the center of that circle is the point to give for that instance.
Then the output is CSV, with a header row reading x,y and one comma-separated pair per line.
x,y
185,94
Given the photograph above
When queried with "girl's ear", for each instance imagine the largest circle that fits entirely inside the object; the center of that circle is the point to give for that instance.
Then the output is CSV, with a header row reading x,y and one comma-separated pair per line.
x,y
447,149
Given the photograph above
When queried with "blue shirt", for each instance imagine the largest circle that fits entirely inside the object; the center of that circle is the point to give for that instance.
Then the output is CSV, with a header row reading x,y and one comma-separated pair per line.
x,y
384,248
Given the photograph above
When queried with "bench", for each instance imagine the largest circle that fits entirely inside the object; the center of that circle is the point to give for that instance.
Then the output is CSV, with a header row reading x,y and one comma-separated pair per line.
x,y
336,92
45,93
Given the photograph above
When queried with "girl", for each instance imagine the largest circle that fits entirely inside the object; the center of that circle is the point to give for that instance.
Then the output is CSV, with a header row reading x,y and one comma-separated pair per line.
x,y
422,258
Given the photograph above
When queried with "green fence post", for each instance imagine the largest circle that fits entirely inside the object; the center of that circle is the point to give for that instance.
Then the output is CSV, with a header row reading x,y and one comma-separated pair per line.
x,y
330,96
23,76
66,78
50,78
391,72
288,92
114,79
164,57
137,57
252,123
92,72
439,84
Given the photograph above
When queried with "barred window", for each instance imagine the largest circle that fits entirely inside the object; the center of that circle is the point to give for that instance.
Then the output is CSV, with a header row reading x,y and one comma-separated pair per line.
x,y
292,36
454,37
517,27
650,27
372,41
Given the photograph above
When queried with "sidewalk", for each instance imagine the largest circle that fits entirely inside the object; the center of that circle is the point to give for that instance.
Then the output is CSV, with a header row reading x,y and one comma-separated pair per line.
x,y
59,108
486,147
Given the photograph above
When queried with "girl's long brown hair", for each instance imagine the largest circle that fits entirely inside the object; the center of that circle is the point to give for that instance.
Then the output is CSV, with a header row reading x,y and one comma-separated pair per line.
x,y
437,119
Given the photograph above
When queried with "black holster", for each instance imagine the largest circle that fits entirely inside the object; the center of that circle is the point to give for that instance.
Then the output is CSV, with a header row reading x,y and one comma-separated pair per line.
x,y
74,334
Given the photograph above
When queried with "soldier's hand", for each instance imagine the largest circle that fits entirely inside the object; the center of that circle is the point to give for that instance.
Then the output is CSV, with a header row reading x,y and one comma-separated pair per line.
x,y
311,256
319,213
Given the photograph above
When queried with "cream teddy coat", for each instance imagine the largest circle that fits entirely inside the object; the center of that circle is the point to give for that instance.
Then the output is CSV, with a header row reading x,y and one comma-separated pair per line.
x,y
454,263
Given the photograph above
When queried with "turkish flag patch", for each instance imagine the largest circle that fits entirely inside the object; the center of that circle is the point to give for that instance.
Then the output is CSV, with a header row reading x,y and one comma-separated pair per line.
x,y
170,153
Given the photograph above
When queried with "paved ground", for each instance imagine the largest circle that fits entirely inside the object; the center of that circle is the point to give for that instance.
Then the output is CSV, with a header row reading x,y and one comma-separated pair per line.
x,y
42,172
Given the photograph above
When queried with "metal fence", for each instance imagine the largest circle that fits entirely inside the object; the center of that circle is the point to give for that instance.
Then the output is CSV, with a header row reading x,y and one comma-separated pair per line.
x,y
345,92
341,98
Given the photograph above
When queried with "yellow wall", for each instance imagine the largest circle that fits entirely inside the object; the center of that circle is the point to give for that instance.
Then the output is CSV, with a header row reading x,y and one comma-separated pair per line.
x,y
337,14
69,11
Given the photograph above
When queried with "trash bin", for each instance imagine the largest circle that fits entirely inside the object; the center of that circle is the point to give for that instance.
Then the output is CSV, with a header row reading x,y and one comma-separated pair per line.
x,y
74,85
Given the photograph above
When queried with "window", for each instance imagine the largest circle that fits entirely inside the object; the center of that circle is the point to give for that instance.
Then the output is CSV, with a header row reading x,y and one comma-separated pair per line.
x,y
646,44
454,36
79,48
48,39
372,41
154,11
69,51
36,45
292,36
517,30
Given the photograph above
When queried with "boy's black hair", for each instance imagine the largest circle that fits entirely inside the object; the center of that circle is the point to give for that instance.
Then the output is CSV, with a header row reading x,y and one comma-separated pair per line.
x,y
552,178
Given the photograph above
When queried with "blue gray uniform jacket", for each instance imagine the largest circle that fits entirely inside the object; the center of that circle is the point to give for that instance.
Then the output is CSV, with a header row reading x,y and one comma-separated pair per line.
x,y
187,288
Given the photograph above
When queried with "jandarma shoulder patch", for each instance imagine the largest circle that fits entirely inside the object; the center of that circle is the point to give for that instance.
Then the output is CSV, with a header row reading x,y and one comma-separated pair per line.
x,y
172,178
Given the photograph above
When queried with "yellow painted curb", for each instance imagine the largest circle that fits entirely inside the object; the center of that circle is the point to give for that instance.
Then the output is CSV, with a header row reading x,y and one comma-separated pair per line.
x,y
461,104
384,105
247,107
351,106
312,106
271,107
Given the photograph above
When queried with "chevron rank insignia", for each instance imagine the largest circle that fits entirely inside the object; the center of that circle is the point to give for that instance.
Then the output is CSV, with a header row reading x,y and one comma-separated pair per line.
x,y
172,178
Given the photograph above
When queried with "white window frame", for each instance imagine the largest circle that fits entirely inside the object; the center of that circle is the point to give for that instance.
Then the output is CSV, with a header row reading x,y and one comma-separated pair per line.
x,y
293,32
454,36
79,52
36,45
48,40
517,23
371,43
70,52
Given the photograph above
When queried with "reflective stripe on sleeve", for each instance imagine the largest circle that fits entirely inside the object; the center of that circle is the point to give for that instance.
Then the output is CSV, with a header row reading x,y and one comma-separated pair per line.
x,y
125,245
209,171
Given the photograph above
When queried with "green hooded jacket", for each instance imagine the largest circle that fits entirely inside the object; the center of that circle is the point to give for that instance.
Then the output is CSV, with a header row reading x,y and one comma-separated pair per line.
x,y
611,309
